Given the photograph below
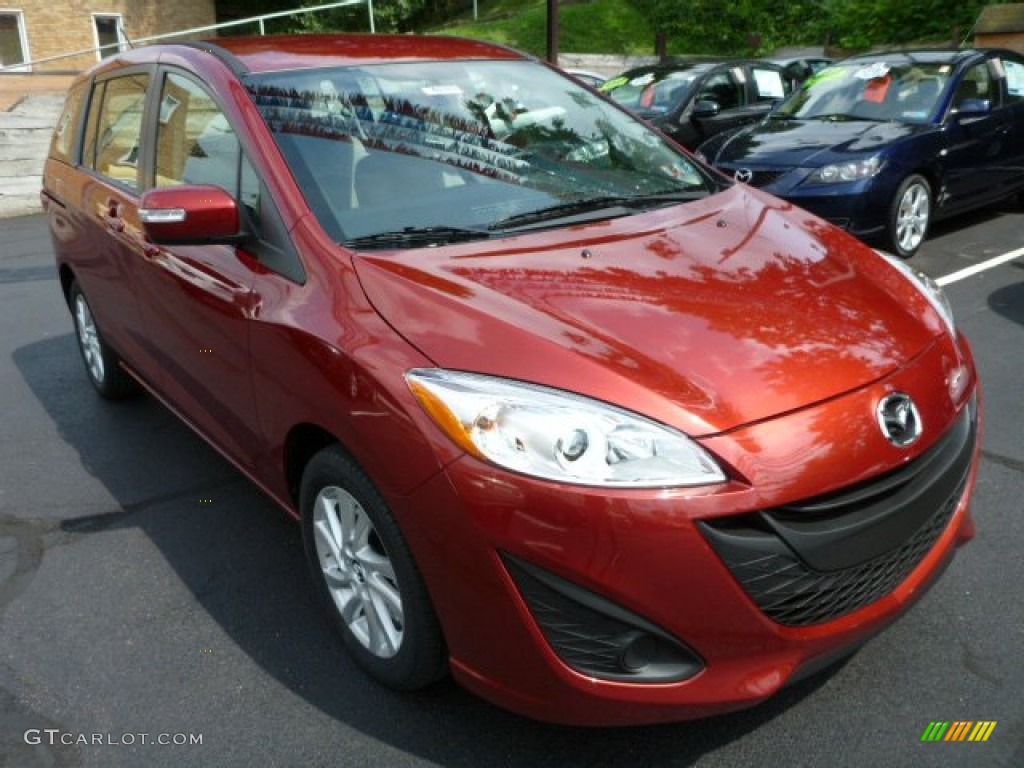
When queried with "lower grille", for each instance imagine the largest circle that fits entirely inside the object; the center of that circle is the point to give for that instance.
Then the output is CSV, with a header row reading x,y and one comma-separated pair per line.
x,y
597,637
813,562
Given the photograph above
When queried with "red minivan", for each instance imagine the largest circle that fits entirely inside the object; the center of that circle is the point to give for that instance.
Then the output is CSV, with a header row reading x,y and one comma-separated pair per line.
x,y
611,438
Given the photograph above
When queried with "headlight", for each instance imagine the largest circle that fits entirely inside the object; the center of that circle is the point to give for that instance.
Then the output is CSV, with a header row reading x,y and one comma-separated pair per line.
x,y
558,435
852,171
927,286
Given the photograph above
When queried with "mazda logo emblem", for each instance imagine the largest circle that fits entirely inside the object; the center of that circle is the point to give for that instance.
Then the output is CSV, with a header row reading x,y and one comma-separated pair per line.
x,y
899,419
743,175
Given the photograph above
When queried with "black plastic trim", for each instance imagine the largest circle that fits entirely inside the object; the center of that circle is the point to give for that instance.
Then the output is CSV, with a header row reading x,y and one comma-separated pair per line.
x,y
597,637
812,562
229,59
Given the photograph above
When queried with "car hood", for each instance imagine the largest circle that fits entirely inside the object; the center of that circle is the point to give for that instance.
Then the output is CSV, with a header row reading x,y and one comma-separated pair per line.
x,y
706,316
810,143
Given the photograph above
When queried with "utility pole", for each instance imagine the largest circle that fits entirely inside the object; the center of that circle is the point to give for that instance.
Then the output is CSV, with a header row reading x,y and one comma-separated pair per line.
x,y
553,31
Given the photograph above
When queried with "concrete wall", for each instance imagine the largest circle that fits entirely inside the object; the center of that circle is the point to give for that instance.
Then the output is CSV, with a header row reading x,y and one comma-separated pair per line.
x,y
608,65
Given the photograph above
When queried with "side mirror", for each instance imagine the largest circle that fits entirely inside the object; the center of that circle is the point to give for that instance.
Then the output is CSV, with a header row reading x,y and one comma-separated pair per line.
x,y
190,214
706,108
974,108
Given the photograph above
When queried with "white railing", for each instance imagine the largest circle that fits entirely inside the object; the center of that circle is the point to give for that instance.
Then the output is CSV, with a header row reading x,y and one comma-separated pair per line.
x,y
259,20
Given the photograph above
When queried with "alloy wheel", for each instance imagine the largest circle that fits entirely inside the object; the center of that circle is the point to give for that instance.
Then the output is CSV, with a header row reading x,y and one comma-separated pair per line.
x,y
358,572
912,217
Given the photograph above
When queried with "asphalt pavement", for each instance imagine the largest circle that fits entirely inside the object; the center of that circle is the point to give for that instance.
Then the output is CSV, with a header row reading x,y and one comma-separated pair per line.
x,y
149,593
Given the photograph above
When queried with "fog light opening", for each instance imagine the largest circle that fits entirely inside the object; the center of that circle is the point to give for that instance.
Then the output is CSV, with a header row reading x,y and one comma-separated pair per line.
x,y
638,652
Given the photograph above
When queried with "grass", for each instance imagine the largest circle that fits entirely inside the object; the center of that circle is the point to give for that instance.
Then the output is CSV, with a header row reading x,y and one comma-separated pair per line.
x,y
593,26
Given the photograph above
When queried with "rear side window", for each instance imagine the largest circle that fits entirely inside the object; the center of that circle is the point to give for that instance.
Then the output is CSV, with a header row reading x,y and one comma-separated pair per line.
x,y
1014,81
768,84
115,128
62,147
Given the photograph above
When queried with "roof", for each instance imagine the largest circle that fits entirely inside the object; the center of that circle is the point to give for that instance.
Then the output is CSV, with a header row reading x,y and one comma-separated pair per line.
x,y
695,65
1000,19
923,56
285,52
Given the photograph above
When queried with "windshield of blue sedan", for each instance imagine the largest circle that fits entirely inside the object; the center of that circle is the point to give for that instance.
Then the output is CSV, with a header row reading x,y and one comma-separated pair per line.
x,y
904,92
401,155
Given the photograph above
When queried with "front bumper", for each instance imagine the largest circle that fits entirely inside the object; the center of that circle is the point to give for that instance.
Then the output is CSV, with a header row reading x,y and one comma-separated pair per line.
x,y
647,558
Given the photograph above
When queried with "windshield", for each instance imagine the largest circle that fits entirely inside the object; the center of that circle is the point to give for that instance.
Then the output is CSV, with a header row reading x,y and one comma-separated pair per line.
x,y
462,148
905,92
652,91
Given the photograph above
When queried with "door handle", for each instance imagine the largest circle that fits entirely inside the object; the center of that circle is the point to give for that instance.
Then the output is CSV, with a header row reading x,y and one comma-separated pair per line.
x,y
114,220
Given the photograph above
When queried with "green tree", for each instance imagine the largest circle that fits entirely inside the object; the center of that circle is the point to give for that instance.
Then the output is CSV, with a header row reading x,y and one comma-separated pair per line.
x,y
760,26
863,23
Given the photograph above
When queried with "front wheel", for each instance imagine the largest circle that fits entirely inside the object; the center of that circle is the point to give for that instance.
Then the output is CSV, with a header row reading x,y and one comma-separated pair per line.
x,y
101,362
365,575
909,216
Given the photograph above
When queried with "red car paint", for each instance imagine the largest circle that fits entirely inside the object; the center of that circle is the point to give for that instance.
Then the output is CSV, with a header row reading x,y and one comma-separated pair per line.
x,y
737,319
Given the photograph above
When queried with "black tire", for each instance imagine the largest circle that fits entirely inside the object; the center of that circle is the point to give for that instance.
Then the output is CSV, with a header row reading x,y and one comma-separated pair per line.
x,y
376,597
910,216
102,364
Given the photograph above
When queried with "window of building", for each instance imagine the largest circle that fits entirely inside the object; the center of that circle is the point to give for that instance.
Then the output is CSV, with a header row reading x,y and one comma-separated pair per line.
x,y
13,42
109,30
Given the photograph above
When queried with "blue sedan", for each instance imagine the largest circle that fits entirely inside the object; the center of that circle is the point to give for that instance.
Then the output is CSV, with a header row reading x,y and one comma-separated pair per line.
x,y
885,143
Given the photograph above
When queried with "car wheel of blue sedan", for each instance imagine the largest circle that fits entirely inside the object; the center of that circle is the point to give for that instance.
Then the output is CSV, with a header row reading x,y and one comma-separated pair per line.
x,y
910,216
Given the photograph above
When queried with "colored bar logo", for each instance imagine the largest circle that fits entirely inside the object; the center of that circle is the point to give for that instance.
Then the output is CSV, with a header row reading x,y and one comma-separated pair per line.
x,y
958,730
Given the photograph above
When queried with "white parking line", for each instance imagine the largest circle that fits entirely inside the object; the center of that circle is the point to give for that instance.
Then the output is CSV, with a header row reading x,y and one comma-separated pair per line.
x,y
975,269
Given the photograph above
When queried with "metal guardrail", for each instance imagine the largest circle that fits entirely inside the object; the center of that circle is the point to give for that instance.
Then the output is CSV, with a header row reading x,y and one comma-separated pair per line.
x,y
259,20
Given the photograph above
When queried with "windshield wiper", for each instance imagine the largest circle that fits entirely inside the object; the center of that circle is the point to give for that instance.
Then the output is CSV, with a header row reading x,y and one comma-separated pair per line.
x,y
410,237
608,205
839,117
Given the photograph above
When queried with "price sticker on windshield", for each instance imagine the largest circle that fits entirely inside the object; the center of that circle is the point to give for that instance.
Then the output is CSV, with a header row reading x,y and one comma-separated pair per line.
x,y
876,70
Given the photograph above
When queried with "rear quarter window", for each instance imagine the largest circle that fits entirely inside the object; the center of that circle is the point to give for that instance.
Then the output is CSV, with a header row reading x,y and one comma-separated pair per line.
x,y
64,144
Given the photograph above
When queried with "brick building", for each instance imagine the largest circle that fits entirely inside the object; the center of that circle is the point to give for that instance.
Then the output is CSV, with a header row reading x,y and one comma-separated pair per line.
x,y
37,29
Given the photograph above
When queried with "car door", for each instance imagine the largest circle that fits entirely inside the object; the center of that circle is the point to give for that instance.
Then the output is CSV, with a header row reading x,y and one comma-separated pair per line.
x,y
110,187
731,90
978,148
1013,104
725,88
198,302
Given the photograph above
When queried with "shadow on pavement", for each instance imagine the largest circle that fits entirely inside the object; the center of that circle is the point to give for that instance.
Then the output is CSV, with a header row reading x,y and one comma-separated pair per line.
x,y
242,561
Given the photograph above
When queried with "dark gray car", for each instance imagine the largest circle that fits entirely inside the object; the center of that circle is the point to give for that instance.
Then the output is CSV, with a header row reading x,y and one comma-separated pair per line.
x,y
692,100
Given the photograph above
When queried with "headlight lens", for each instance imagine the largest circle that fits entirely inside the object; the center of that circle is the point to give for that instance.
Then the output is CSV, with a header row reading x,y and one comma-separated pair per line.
x,y
558,435
927,286
843,172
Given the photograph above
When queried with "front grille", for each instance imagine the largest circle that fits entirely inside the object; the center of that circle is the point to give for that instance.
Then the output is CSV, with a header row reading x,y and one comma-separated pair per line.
x,y
812,562
759,178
